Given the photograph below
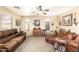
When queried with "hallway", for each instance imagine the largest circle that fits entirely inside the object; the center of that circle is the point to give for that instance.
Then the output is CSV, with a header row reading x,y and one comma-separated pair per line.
x,y
35,44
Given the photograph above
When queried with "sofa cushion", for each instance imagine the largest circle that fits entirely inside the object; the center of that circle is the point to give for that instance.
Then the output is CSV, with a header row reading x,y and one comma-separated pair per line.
x,y
1,35
17,34
3,40
71,48
11,45
19,39
2,46
69,37
6,33
12,36
13,31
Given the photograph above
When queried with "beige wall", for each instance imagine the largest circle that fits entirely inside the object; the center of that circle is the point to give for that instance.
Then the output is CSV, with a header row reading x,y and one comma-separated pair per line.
x,y
15,16
42,22
73,28
54,19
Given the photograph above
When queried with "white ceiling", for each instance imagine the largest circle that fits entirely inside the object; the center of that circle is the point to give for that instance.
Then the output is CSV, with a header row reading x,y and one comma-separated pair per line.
x,y
28,10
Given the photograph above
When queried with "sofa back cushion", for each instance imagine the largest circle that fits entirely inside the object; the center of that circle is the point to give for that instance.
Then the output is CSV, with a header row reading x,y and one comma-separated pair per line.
x,y
60,34
71,36
1,35
13,31
3,40
6,33
10,32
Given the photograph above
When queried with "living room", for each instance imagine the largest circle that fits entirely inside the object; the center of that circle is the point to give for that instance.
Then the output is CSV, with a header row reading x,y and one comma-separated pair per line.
x,y
39,29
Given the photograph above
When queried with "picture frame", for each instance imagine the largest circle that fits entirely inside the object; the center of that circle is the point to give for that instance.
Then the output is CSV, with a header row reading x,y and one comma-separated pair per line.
x,y
37,22
18,22
67,20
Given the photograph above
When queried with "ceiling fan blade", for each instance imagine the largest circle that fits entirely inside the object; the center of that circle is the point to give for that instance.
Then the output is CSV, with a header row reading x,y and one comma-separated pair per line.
x,y
40,8
46,10
44,13
37,14
37,8
17,7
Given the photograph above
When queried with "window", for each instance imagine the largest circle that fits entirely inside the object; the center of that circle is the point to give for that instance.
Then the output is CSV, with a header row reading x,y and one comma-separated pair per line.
x,y
6,22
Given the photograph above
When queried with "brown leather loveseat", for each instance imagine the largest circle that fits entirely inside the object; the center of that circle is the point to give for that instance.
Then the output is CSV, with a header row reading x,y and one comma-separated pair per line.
x,y
11,39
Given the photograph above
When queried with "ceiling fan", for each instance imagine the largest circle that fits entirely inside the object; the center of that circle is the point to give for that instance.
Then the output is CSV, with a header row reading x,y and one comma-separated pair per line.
x,y
17,7
41,9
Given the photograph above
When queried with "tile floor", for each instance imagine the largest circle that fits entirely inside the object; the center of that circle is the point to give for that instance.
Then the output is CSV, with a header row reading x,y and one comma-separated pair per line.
x,y
35,44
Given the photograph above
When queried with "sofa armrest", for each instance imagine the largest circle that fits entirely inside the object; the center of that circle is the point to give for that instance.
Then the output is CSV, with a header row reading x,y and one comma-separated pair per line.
x,y
22,33
75,45
72,48
2,46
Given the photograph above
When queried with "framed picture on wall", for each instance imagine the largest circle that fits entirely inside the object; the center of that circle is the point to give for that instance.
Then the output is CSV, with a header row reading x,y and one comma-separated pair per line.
x,y
67,20
37,22
18,22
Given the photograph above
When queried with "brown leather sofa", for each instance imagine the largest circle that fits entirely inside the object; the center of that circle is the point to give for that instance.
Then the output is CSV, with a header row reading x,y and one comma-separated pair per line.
x,y
11,39
71,38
